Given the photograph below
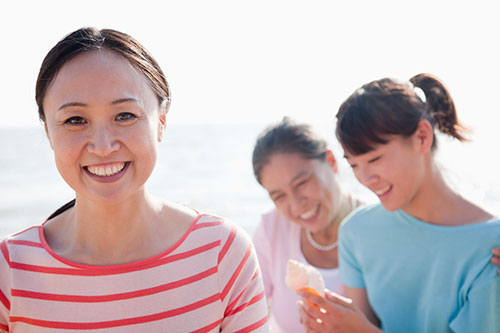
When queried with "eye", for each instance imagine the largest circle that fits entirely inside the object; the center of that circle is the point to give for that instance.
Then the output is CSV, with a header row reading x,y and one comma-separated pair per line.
x,y
277,198
353,166
302,182
76,120
125,116
374,159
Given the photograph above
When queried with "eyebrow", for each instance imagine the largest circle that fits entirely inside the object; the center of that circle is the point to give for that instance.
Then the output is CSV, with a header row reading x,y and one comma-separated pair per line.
x,y
118,101
66,105
125,100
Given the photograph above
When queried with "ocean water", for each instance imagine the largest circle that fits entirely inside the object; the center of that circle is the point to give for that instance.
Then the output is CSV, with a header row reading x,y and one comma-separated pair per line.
x,y
207,167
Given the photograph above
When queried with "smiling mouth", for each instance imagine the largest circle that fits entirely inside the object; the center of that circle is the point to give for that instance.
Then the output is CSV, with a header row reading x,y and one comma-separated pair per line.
x,y
383,191
106,170
309,214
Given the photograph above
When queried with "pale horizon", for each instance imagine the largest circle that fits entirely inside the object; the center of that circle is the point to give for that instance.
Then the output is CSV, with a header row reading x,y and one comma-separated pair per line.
x,y
236,62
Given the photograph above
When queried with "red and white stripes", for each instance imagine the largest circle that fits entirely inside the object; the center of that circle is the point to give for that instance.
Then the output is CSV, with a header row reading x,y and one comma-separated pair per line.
x,y
209,280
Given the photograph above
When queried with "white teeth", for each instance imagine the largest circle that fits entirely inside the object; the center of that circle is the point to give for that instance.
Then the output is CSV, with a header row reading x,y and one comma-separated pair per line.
x,y
309,214
382,191
106,171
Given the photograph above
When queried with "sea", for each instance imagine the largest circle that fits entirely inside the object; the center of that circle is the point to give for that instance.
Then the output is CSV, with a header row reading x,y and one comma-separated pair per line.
x,y
204,166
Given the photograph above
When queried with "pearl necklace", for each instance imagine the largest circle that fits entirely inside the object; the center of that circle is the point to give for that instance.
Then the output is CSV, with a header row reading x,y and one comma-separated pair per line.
x,y
328,247
319,246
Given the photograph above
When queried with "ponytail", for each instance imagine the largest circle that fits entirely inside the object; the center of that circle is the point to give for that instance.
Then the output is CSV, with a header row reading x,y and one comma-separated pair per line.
x,y
440,106
388,107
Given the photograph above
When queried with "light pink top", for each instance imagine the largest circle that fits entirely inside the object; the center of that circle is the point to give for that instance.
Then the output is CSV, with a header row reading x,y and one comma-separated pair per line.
x,y
208,281
277,240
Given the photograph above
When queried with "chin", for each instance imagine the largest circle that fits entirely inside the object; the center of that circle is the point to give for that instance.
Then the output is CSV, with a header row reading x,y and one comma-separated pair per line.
x,y
391,208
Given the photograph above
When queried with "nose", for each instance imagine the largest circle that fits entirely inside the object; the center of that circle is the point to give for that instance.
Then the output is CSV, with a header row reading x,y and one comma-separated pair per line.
x,y
297,202
103,142
365,176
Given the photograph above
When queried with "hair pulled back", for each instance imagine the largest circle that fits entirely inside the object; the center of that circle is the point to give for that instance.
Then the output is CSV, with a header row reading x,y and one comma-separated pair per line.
x,y
286,137
92,39
388,107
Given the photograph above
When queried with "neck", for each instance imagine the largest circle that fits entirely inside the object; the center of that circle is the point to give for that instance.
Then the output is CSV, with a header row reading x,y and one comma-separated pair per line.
x,y
436,203
345,206
114,230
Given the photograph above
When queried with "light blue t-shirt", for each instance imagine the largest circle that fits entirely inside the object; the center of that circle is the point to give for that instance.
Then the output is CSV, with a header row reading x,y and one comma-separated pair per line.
x,y
422,277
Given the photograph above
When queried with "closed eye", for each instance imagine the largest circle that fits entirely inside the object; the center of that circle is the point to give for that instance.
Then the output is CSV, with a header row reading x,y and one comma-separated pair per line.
x,y
374,159
302,182
277,197
75,121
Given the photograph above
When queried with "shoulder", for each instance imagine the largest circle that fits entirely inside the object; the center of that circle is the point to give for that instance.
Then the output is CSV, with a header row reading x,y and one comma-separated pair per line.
x,y
30,235
21,244
364,214
181,214
222,230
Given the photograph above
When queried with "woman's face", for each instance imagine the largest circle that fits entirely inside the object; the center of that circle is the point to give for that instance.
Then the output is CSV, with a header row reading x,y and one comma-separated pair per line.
x,y
103,122
305,191
393,171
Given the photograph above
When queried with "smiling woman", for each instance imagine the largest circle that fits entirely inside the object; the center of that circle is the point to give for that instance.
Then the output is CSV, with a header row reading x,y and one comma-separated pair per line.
x,y
413,262
299,172
116,258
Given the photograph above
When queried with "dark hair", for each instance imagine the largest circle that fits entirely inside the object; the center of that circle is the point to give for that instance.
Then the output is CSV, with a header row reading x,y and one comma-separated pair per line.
x,y
388,107
286,137
92,39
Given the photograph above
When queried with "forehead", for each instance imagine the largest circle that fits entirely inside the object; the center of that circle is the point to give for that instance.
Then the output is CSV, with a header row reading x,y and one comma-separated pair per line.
x,y
98,75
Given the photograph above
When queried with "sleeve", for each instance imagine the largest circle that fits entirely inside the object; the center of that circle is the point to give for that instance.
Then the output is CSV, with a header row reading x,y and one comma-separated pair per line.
x,y
481,309
242,289
4,287
264,252
350,269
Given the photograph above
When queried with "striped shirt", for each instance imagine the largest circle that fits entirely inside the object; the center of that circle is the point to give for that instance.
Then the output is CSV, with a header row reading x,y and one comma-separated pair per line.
x,y
209,281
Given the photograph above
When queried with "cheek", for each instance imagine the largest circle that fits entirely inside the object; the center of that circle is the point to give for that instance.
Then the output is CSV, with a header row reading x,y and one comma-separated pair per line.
x,y
66,148
282,207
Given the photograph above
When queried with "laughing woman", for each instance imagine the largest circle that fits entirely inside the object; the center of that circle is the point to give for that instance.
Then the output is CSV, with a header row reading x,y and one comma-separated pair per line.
x,y
300,173
420,260
116,258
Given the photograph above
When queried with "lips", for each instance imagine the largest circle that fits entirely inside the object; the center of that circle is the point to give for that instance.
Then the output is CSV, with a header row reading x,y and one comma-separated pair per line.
x,y
310,214
383,193
106,170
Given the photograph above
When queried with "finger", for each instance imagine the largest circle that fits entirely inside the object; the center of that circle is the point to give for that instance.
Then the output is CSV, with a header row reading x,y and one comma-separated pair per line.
x,y
496,251
337,299
310,322
306,294
312,309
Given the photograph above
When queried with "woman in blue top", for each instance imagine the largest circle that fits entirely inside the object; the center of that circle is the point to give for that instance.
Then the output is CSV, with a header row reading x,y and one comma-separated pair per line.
x,y
420,260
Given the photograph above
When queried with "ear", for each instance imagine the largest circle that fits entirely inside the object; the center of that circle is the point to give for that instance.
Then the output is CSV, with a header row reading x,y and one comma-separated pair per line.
x,y
424,136
330,158
48,135
161,125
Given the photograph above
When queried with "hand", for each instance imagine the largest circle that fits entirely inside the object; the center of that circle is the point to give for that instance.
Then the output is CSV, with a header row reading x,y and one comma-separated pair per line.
x,y
334,313
496,257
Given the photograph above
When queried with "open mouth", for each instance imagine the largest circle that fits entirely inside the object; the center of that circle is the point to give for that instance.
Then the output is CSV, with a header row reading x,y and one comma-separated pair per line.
x,y
383,191
310,214
106,170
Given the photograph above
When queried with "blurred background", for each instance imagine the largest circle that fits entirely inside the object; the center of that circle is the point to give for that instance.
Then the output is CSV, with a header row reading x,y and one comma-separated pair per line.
x,y
234,67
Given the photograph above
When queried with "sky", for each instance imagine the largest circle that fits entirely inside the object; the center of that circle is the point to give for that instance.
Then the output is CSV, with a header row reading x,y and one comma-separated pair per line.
x,y
231,61
256,61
